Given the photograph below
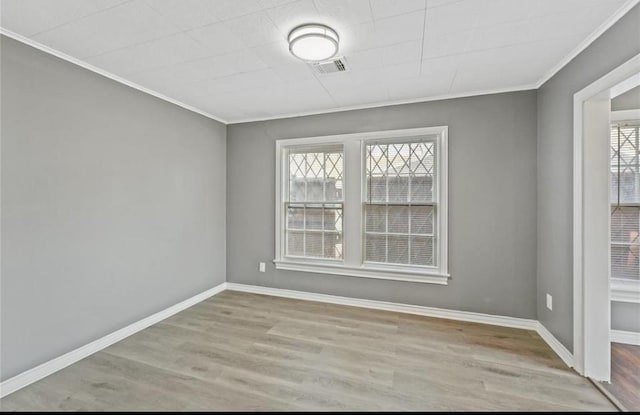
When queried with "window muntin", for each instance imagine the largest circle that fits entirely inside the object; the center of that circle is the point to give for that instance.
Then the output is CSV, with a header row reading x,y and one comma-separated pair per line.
x,y
400,202
314,202
411,217
625,201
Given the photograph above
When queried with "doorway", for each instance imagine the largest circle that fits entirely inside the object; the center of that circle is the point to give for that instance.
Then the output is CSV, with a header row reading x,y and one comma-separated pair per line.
x,y
592,219
625,250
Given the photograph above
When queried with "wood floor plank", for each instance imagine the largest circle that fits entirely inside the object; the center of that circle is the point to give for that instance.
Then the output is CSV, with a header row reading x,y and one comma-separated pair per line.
x,y
625,375
303,398
248,352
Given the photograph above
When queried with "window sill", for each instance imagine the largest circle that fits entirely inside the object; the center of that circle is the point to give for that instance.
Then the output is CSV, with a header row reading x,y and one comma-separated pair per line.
x,y
625,291
429,277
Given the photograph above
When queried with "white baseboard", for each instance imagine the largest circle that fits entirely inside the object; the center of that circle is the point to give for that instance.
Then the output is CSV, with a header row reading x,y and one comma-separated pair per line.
x,y
519,323
626,337
504,321
556,346
33,375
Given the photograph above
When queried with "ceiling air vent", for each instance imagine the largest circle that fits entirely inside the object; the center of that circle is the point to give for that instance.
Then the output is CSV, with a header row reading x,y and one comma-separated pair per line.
x,y
334,65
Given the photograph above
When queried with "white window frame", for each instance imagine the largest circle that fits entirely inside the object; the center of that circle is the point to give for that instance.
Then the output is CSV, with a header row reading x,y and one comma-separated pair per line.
x,y
623,290
354,189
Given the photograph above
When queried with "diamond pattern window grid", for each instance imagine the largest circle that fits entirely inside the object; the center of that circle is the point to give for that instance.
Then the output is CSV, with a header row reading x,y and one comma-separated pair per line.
x,y
625,165
314,204
400,205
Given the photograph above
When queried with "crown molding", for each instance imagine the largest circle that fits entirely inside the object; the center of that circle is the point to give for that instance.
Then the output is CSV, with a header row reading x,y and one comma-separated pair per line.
x,y
88,66
624,9
390,103
106,74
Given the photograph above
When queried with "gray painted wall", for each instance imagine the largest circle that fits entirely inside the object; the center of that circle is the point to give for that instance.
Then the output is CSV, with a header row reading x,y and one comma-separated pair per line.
x,y
625,316
492,229
630,100
113,206
555,158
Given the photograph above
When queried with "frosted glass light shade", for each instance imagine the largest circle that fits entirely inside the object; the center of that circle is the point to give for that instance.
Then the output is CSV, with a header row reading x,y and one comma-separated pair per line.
x,y
313,42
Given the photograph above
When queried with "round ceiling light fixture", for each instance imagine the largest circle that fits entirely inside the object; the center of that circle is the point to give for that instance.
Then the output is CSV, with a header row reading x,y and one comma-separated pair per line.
x,y
313,42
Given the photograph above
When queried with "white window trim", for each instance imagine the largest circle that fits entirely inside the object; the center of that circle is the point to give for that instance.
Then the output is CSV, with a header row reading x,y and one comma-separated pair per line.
x,y
625,115
352,264
625,290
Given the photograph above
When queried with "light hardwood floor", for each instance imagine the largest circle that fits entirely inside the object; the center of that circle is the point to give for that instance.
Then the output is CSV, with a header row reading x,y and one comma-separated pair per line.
x,y
239,351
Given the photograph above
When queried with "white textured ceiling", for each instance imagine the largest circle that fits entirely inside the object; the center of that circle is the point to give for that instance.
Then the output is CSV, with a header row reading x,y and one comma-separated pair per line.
x,y
229,58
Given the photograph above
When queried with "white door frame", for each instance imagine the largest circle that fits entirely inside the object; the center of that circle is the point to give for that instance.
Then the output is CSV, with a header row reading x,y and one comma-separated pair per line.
x,y
591,218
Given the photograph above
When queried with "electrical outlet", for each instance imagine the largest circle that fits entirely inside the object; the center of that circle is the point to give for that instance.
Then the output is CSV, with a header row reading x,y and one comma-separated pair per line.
x,y
549,301
263,267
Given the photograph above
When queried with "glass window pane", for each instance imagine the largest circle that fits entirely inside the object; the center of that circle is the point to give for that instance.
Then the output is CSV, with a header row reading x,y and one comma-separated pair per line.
x,y
376,248
333,190
376,218
332,219
398,189
377,188
398,218
625,189
333,245
376,170
625,164
422,171
297,189
625,242
297,174
315,165
313,244
333,169
316,175
422,250
625,224
399,176
295,243
313,218
315,190
398,249
422,220
297,165
421,189
295,218
315,193
624,261
400,172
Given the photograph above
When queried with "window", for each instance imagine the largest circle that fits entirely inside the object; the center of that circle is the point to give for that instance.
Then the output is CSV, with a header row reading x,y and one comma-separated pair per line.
x,y
625,202
314,203
399,203
368,205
